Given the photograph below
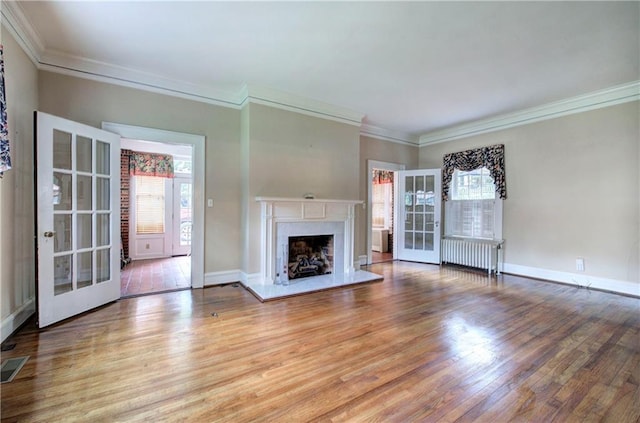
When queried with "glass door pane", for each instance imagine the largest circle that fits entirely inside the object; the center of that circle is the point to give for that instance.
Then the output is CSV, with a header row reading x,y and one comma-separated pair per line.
x,y
419,206
63,194
77,192
185,213
409,202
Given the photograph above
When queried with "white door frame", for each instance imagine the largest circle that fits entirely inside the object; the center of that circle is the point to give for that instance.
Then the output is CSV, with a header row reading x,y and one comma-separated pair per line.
x,y
198,144
176,221
374,164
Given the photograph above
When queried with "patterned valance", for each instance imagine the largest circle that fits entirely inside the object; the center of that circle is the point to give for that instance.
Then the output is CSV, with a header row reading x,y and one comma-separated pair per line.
x,y
382,177
491,157
151,164
5,155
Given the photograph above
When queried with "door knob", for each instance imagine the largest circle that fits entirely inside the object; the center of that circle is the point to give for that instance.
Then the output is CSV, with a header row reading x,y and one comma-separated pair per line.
x,y
49,234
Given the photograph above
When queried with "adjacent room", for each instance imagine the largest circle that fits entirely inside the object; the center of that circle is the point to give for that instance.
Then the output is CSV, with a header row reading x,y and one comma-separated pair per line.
x,y
320,211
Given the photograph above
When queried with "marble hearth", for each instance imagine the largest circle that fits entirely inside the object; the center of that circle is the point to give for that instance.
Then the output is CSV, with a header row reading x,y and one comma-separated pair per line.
x,y
282,218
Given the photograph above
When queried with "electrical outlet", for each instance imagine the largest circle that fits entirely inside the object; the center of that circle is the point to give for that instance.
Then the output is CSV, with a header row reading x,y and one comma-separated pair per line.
x,y
580,264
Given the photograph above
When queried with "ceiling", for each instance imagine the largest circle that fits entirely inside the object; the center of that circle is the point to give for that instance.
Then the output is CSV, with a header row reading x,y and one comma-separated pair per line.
x,y
407,68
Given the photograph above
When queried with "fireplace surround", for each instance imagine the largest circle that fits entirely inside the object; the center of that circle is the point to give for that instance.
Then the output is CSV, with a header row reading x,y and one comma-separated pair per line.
x,y
282,218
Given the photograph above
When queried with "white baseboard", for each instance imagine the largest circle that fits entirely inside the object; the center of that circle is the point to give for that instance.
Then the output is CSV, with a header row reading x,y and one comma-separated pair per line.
x,y
231,276
17,318
251,279
221,278
578,279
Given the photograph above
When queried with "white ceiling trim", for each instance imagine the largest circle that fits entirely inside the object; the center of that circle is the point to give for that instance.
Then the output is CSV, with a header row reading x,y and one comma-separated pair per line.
x,y
387,135
286,101
104,72
16,22
591,101
57,62
31,42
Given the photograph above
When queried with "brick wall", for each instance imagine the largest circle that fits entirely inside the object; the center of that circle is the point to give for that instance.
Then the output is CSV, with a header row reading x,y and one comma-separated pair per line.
x,y
124,200
390,240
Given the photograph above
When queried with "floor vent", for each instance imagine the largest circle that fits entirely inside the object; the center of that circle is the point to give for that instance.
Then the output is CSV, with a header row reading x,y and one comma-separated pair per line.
x,y
7,346
11,367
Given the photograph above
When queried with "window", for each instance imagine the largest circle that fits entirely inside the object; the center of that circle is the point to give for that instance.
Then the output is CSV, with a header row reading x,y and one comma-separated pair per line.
x,y
149,204
381,209
473,211
182,164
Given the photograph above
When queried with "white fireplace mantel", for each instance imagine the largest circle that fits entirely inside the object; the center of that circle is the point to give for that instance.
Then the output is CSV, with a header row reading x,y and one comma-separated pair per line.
x,y
277,213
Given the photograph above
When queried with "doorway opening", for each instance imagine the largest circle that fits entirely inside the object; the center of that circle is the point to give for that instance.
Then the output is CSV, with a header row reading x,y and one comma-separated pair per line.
x,y
382,215
380,211
197,144
157,210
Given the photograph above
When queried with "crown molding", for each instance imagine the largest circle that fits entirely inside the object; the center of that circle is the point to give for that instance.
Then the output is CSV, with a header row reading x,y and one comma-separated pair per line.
x,y
31,42
16,22
54,61
387,135
279,99
58,62
595,100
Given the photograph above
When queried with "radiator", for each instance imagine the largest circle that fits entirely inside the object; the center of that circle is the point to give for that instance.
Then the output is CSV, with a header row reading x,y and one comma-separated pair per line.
x,y
473,253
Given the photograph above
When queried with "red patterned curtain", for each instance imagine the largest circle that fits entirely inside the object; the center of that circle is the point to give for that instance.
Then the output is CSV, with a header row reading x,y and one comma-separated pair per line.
x,y
151,164
382,177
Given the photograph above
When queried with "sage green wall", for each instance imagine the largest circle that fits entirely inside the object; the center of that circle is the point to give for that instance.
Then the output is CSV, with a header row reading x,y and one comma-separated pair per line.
x,y
17,248
92,102
573,191
290,154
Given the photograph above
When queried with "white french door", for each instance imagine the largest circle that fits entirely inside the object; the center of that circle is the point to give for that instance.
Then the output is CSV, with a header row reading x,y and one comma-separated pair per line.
x,y
417,215
78,217
182,215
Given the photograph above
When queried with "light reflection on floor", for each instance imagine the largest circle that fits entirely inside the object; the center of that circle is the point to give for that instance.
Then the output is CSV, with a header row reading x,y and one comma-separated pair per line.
x,y
470,342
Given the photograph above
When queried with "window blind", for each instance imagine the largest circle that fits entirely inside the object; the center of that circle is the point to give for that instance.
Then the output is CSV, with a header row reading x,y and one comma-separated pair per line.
x,y
150,203
470,218
472,208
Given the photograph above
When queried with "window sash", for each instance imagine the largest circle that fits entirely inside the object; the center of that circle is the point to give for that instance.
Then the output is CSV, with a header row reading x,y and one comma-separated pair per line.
x,y
382,205
150,205
476,184
471,219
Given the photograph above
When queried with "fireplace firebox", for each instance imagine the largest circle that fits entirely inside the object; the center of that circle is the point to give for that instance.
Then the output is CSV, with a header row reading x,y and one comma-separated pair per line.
x,y
310,255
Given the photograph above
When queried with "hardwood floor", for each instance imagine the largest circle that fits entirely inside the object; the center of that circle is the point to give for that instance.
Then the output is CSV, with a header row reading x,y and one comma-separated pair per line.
x,y
427,344
377,257
142,277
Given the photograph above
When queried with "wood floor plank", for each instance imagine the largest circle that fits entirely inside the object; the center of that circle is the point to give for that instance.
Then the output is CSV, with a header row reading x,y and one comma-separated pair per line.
x,y
427,344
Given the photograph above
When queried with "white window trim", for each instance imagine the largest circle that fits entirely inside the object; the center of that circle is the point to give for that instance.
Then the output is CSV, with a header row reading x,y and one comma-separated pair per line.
x,y
497,220
135,237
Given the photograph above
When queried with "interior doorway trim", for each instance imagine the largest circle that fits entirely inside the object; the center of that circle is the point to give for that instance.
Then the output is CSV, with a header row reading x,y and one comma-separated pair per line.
x,y
198,144
374,164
